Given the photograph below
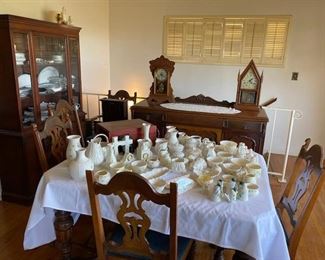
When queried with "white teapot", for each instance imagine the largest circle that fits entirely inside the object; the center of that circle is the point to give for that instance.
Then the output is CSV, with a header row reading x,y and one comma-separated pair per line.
x,y
95,151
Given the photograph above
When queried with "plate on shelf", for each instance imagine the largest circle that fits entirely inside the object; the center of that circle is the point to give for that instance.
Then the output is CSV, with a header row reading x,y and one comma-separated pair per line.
x,y
24,81
46,73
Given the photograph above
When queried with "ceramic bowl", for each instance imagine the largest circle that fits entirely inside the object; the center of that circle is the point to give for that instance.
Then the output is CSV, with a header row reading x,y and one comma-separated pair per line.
x,y
225,156
153,162
231,168
214,161
116,167
205,180
102,176
239,161
138,166
229,146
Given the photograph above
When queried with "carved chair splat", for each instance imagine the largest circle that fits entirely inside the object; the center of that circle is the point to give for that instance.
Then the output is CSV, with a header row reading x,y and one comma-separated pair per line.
x,y
301,194
51,142
133,190
123,95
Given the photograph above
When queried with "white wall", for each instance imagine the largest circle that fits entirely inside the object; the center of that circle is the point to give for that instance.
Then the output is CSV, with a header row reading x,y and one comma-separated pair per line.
x,y
136,29
92,17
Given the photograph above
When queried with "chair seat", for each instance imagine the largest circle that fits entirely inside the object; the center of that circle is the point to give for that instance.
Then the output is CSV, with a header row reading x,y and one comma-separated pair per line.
x,y
158,242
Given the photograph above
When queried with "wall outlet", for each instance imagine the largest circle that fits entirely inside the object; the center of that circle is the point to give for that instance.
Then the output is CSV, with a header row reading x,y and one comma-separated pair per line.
x,y
294,76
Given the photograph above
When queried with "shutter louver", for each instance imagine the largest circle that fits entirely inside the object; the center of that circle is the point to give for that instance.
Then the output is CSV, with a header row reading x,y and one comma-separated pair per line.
x,y
213,35
193,40
232,42
174,42
275,41
254,41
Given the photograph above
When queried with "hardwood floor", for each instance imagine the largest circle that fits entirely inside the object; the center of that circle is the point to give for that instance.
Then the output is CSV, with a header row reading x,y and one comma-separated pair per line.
x,y
13,220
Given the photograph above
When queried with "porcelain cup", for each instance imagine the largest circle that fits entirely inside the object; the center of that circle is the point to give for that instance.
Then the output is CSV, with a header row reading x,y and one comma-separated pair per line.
x,y
116,167
254,168
250,178
252,189
102,176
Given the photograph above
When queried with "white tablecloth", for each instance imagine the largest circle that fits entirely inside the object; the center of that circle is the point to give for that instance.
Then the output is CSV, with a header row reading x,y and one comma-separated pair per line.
x,y
252,226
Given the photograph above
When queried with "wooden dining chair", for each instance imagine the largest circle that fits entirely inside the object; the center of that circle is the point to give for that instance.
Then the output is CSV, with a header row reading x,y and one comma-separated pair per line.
x,y
301,194
132,238
51,142
123,95
69,114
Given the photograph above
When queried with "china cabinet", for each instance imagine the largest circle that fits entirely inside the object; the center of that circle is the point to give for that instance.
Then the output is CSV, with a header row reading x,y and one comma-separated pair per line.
x,y
39,65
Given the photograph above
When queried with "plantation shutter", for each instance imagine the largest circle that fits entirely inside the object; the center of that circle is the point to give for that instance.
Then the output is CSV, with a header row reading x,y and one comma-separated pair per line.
x,y
212,42
232,42
174,39
275,41
253,43
226,40
193,40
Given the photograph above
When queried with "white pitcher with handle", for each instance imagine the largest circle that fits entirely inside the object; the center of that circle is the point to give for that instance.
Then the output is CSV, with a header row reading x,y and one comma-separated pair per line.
x,y
95,151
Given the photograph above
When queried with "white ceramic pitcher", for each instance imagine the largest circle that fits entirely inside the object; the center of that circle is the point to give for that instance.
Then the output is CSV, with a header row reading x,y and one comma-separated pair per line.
x,y
94,150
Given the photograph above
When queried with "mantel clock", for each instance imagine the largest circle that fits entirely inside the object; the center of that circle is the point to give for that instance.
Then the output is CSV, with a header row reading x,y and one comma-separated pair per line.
x,y
161,90
249,88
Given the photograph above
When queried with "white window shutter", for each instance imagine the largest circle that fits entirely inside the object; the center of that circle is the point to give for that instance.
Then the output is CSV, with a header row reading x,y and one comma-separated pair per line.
x,y
174,39
232,41
275,41
213,40
193,40
253,42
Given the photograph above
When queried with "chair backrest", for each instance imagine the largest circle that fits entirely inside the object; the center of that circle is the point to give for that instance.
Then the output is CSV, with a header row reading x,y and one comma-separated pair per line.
x,y
123,95
69,114
51,142
133,189
301,193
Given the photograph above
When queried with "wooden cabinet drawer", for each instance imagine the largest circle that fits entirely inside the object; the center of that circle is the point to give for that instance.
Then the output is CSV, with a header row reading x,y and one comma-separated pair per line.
x,y
242,125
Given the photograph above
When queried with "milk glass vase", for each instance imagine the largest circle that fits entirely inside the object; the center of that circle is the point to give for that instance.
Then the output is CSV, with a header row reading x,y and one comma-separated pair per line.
x,y
73,146
146,131
78,166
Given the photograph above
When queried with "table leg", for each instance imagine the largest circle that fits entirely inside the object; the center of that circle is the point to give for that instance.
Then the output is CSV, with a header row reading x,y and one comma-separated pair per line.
x,y
63,228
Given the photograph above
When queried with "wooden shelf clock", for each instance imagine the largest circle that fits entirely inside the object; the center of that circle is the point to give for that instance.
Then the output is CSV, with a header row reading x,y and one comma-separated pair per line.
x,y
249,88
161,90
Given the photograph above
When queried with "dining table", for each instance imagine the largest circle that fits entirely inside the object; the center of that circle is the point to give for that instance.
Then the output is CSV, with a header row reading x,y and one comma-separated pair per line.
x,y
252,226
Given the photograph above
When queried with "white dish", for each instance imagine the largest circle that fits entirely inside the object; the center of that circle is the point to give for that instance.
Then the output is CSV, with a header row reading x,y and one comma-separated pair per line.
x,y
24,81
46,73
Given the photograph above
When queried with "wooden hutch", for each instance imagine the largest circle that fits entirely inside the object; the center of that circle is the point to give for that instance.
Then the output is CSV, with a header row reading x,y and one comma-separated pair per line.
x,y
40,64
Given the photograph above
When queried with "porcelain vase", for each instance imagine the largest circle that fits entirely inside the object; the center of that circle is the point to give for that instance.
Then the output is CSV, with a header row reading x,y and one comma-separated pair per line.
x,y
146,131
78,166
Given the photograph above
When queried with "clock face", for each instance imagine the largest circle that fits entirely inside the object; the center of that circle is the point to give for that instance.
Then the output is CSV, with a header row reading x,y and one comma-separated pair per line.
x,y
249,81
161,74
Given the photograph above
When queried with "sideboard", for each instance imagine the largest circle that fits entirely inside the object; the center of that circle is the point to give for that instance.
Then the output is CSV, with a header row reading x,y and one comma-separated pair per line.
x,y
247,126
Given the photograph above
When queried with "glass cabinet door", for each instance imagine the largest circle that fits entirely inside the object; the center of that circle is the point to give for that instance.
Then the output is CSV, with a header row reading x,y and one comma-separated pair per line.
x,y
51,71
23,74
74,63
